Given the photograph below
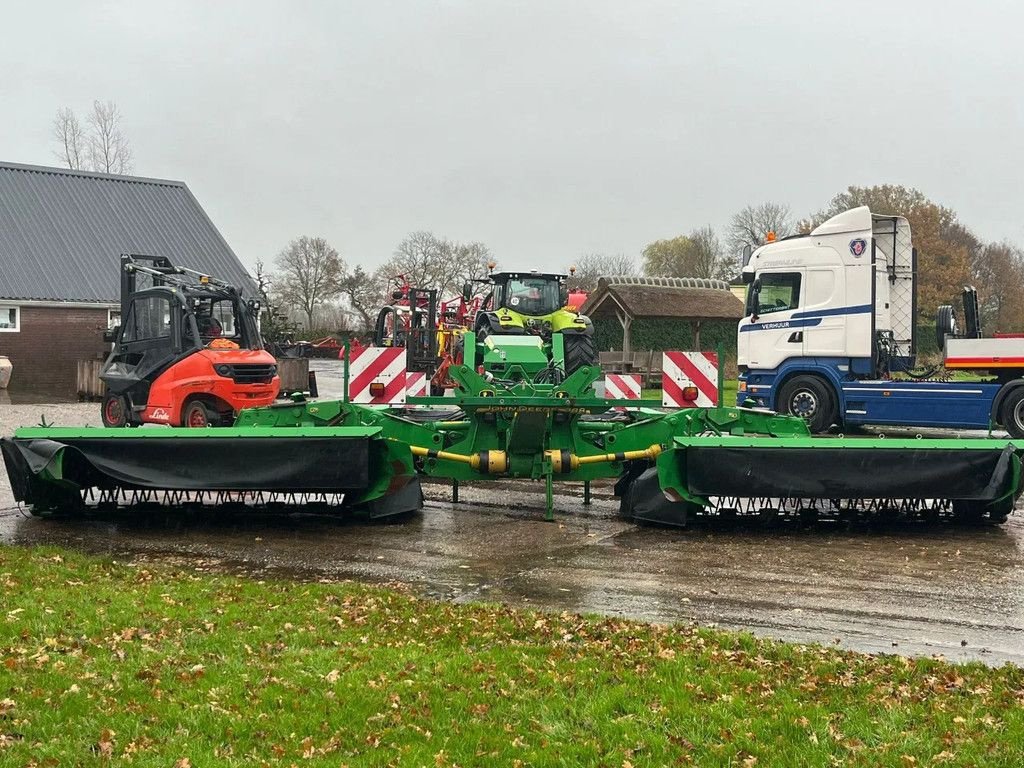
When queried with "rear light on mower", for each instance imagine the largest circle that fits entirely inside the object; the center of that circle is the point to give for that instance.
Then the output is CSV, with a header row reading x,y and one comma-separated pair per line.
x,y
689,393
377,389
222,370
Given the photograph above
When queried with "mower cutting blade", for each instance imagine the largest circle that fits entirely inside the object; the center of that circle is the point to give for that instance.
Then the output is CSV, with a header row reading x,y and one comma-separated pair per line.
x,y
969,479
54,469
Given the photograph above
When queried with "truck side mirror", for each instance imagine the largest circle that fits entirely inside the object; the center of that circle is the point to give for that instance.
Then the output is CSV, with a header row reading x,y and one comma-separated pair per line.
x,y
753,298
745,258
467,291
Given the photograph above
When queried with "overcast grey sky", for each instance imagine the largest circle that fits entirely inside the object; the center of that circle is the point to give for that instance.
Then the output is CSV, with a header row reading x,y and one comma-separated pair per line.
x,y
544,129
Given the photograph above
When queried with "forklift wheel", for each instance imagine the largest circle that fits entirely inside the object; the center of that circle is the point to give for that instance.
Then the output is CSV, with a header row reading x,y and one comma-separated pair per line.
x,y
115,411
197,414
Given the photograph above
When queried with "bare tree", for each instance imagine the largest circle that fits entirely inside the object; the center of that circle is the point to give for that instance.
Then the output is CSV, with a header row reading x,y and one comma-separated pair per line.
x,y
429,261
310,274
103,147
752,225
109,150
592,266
707,254
70,138
698,254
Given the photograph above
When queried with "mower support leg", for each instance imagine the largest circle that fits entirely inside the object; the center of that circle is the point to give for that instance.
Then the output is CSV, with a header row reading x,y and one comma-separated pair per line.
x,y
549,514
586,493
455,491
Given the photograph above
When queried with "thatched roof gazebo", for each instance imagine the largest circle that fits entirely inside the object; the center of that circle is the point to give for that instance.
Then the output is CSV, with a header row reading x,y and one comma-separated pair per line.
x,y
687,299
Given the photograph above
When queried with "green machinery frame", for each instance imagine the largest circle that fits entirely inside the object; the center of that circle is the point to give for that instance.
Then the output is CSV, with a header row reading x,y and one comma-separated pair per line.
x,y
506,422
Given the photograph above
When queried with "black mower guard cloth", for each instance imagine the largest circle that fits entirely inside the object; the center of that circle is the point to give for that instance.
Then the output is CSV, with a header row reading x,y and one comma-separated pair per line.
x,y
282,464
828,472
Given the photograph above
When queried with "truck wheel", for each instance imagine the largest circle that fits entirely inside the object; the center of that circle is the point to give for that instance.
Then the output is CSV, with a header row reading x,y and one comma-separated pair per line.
x,y
114,411
579,352
1011,414
811,399
198,414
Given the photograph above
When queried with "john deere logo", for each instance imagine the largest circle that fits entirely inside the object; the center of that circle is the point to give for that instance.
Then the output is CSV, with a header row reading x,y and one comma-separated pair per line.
x,y
857,247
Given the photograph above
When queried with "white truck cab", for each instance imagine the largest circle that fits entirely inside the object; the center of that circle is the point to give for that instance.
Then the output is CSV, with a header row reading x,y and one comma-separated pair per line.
x,y
826,294
831,317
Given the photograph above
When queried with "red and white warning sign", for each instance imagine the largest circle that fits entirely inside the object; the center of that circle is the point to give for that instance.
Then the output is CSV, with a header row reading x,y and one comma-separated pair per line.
x,y
376,375
622,386
415,384
693,371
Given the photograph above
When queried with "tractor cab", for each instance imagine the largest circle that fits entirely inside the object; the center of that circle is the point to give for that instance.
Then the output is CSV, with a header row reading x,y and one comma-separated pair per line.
x,y
525,302
188,350
533,294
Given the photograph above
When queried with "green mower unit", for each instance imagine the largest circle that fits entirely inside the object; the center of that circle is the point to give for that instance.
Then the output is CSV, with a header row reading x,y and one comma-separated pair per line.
x,y
517,423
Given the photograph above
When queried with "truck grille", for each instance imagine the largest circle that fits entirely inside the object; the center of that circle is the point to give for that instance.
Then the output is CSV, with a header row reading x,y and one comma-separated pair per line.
x,y
253,373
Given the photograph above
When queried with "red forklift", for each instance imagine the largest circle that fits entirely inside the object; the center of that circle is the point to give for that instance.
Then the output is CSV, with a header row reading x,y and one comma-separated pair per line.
x,y
188,351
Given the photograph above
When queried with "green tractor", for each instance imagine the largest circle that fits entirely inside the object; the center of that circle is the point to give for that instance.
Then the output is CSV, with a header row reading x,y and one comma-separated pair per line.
x,y
525,330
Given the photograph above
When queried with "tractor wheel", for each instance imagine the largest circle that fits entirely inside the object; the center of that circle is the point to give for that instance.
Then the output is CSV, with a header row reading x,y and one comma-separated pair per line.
x,y
198,414
809,398
115,410
580,351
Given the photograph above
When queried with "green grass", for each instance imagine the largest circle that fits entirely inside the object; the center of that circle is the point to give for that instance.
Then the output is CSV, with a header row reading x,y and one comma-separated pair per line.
x,y
104,663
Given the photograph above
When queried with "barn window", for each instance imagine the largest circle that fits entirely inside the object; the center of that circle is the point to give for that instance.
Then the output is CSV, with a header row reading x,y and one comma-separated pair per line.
x,y
10,319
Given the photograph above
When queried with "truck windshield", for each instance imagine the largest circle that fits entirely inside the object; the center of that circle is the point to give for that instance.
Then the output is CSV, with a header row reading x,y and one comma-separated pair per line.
x,y
532,295
777,292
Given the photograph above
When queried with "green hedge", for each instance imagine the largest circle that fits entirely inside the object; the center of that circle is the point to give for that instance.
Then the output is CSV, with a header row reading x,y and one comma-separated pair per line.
x,y
664,335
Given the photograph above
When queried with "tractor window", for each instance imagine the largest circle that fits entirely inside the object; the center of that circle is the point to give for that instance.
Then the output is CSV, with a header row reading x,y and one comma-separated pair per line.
x,y
780,291
149,318
533,296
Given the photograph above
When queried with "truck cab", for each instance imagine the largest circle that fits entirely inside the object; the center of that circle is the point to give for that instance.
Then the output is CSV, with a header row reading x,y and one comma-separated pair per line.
x,y
829,334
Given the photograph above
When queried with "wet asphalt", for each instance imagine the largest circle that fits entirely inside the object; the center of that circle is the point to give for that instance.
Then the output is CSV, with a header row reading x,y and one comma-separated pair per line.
x,y
919,590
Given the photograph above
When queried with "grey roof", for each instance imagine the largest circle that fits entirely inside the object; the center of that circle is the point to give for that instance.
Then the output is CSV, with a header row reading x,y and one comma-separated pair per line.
x,y
62,232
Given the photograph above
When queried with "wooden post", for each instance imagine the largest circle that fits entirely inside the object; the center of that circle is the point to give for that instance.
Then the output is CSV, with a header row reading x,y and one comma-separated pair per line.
x,y
88,384
294,373
627,323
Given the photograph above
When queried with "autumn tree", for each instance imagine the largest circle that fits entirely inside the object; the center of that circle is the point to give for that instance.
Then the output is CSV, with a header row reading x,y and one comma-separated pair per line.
x,y
309,274
429,261
998,274
698,254
945,248
592,266
751,225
